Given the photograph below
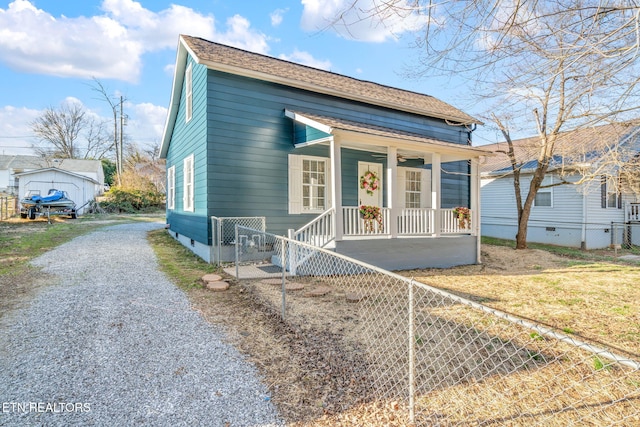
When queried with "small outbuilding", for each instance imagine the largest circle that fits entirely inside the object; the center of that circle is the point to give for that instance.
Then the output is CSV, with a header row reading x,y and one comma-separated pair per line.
x,y
81,189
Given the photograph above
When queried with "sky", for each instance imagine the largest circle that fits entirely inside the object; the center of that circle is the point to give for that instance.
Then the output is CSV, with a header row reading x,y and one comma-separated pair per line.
x,y
54,51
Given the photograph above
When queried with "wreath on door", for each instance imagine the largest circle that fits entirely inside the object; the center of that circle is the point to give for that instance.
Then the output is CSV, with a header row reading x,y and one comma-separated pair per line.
x,y
369,182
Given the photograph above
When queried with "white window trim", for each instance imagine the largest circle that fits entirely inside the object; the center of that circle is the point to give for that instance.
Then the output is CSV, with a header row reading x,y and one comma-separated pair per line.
x,y
189,93
171,187
616,193
188,178
295,184
425,186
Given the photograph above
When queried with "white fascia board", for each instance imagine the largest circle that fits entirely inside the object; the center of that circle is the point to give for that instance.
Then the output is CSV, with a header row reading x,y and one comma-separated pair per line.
x,y
326,139
307,121
174,103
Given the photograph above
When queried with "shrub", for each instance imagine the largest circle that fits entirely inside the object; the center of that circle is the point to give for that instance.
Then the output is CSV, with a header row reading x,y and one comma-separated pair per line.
x,y
135,194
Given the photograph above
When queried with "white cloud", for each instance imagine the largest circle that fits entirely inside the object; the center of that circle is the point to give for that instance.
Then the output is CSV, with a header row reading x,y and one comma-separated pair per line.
x,y
147,127
240,35
365,20
110,45
277,16
306,58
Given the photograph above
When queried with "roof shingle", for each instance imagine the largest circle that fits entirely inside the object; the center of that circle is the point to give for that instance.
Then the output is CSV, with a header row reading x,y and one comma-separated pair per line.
x,y
571,147
324,81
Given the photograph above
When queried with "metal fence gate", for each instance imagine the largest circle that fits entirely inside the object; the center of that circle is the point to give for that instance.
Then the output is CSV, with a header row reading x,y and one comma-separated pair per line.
x,y
223,235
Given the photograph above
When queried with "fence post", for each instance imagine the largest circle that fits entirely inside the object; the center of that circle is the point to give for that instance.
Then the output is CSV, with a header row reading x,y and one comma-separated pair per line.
x,y
220,239
237,253
284,274
412,344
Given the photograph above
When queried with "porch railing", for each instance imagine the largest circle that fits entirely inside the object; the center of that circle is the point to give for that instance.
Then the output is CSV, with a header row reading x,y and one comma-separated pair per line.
x,y
318,232
411,222
450,223
416,221
353,225
632,212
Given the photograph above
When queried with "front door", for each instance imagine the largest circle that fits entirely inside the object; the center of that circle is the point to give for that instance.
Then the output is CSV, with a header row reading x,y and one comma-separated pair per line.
x,y
370,184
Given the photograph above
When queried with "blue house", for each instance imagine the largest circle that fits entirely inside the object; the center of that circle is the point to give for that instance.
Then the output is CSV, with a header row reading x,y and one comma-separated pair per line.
x,y
248,135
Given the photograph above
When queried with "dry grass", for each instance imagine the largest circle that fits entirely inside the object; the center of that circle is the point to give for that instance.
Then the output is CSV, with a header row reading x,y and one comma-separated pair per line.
x,y
593,300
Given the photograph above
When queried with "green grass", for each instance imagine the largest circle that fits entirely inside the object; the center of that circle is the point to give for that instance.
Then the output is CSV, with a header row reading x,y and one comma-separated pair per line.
x,y
179,263
22,241
20,248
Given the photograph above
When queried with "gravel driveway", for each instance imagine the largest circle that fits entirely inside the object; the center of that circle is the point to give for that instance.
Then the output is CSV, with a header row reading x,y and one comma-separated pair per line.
x,y
114,342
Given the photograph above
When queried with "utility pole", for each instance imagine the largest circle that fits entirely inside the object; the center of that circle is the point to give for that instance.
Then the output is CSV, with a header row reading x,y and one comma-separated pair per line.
x,y
121,133
115,138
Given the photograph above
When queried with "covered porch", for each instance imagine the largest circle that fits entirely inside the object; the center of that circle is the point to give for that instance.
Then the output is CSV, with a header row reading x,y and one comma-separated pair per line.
x,y
409,201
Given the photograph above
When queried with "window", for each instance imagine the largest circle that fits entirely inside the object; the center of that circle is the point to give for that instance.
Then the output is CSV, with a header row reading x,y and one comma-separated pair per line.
x,y
610,193
188,184
189,92
171,187
544,196
313,185
309,184
413,189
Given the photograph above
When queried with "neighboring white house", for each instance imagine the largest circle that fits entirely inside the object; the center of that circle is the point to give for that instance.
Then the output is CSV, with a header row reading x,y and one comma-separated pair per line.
x,y
81,189
13,165
572,214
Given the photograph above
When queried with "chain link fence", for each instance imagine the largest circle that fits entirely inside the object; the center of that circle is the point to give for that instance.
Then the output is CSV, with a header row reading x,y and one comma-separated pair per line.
x,y
223,235
626,236
446,360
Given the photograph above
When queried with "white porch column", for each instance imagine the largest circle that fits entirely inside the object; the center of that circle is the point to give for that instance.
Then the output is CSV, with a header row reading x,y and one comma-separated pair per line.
x,y
436,189
336,186
474,188
392,191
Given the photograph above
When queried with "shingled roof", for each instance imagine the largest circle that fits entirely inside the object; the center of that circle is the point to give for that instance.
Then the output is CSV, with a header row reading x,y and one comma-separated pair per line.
x,y
238,61
572,147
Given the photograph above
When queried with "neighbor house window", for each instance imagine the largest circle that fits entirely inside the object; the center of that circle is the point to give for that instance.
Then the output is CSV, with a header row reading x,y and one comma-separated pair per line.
x,y
171,187
413,189
309,187
610,194
544,196
189,92
188,184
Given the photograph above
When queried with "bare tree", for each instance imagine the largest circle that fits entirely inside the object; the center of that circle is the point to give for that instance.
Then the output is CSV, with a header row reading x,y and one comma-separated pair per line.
x,y
118,137
630,176
541,66
69,132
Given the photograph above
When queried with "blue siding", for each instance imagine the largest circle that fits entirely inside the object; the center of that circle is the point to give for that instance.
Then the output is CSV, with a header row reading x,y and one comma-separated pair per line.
x,y
455,184
304,133
189,139
241,140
